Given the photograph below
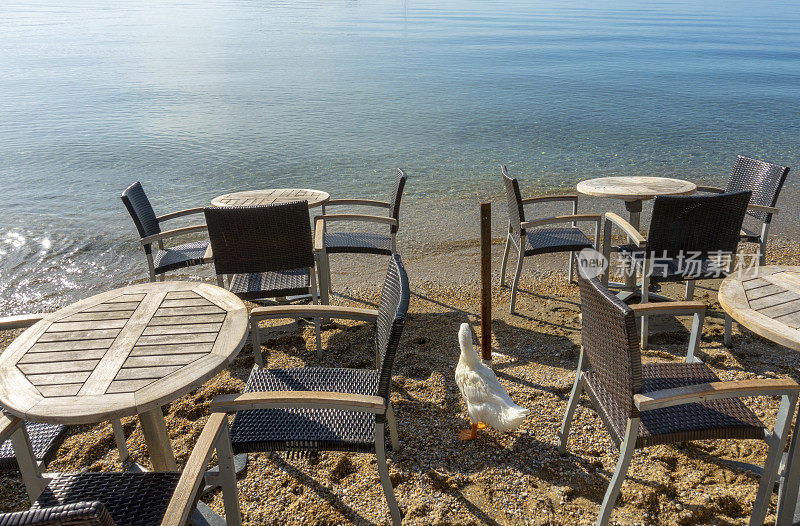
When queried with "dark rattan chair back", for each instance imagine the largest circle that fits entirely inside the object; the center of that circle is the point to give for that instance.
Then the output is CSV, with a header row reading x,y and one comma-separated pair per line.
x,y
397,195
516,212
764,179
252,239
610,340
392,310
140,209
697,223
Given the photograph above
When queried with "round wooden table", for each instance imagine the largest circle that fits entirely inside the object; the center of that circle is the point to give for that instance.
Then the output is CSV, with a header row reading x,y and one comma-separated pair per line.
x,y
634,190
272,196
766,300
123,352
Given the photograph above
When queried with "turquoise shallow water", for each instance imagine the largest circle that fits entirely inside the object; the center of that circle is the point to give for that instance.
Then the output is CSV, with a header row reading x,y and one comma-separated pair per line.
x,y
199,98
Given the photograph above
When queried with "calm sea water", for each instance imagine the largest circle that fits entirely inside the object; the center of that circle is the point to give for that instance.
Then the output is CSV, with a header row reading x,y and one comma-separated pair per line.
x,y
199,98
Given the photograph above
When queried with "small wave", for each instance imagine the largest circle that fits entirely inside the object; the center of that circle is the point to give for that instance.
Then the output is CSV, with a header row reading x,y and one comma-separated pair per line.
x,y
15,239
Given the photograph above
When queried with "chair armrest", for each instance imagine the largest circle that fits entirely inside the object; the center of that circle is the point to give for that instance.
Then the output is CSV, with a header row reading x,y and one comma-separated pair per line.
x,y
714,391
545,198
313,311
357,202
19,321
562,219
183,498
319,235
173,233
638,238
356,217
8,424
180,213
710,189
762,208
309,399
669,307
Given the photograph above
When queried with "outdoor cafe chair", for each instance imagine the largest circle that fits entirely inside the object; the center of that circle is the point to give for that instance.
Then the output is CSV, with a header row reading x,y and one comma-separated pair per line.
x,y
765,180
535,237
327,409
163,259
264,251
124,499
690,238
643,405
380,240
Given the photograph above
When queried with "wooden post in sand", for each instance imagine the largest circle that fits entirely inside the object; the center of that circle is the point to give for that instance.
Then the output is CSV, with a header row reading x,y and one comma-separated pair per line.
x,y
486,280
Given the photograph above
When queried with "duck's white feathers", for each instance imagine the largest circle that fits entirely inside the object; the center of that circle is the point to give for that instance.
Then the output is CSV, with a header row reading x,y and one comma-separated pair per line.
x,y
487,400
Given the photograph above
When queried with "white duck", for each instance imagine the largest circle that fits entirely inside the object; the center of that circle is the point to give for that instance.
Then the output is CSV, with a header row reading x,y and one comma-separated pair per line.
x,y
487,400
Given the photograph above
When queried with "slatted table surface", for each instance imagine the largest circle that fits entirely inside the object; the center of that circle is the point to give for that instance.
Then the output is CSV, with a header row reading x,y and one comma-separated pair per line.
x,y
271,197
766,301
123,352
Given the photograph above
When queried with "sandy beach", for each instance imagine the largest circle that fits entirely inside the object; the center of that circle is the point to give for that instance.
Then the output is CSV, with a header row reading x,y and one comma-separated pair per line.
x,y
513,478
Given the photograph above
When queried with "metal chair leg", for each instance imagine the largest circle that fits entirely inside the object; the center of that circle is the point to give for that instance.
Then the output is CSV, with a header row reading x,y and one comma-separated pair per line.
x,y
506,252
625,456
317,321
392,421
574,398
383,471
689,290
521,256
694,338
777,442
569,266
256,339
645,319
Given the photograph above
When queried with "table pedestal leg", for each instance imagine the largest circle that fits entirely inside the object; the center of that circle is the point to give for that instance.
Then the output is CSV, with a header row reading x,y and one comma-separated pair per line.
x,y
155,435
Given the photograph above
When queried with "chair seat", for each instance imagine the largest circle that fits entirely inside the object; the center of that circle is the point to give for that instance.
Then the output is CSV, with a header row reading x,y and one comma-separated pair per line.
x,y
302,429
132,499
45,439
750,235
556,239
670,270
180,256
271,284
358,243
714,419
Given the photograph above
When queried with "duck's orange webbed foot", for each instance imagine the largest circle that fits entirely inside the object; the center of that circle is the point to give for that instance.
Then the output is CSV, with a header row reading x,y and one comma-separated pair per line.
x,y
469,434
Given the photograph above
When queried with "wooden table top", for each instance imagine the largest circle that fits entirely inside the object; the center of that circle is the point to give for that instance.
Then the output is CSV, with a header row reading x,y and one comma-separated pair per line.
x,y
635,188
272,196
766,301
122,352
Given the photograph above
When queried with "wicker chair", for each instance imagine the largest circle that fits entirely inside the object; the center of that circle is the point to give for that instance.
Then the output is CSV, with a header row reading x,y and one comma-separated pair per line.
x,y
644,405
265,252
149,227
687,241
130,498
765,180
531,238
327,409
362,242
